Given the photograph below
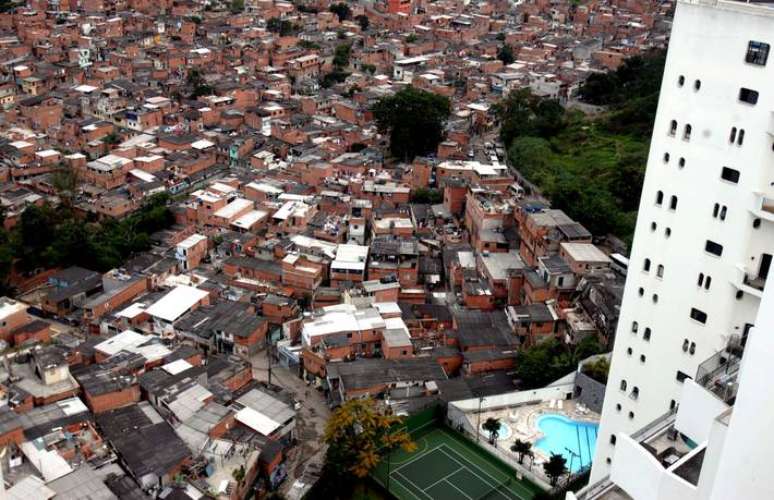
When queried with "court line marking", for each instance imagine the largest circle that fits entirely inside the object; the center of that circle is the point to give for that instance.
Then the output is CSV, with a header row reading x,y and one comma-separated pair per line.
x,y
455,487
414,485
418,450
442,479
480,470
409,462
520,487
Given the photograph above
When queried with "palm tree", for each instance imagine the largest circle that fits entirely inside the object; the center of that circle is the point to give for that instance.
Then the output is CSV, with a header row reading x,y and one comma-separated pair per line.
x,y
522,448
555,467
492,426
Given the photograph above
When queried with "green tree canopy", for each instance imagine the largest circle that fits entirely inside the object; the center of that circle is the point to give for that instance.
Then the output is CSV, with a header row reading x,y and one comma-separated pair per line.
x,y
505,54
342,11
415,120
341,55
555,467
363,21
548,361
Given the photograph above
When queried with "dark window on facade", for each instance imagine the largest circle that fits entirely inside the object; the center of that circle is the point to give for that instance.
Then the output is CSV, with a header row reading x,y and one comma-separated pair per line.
x,y
687,132
659,198
681,376
740,139
757,53
749,96
680,81
732,136
698,315
673,127
646,335
713,248
673,203
730,175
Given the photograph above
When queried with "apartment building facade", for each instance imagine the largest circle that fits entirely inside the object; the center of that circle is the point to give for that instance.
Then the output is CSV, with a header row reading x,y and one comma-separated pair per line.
x,y
703,240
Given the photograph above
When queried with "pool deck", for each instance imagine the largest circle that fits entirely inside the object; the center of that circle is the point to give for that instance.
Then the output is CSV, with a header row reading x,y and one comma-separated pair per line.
x,y
523,421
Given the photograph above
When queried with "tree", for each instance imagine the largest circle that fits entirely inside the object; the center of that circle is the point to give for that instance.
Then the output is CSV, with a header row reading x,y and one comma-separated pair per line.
x,y
342,11
363,21
523,114
426,196
597,370
280,26
505,54
65,182
492,426
237,6
341,55
522,449
411,38
415,120
555,467
357,435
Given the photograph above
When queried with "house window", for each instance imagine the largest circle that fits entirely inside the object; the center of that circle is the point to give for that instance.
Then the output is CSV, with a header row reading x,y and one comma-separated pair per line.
x,y
748,95
713,248
698,315
757,53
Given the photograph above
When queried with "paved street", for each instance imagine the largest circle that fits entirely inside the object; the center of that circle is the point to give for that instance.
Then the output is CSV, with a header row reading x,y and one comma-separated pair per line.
x,y
310,421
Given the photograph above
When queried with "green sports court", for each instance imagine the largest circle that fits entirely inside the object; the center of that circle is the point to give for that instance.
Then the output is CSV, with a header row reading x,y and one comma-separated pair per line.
x,y
446,466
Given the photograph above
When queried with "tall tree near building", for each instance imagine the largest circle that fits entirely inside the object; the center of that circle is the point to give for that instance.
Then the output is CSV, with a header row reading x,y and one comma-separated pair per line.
x,y
358,434
415,120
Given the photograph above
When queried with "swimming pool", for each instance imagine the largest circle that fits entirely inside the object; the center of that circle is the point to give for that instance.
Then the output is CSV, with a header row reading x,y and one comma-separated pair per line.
x,y
572,439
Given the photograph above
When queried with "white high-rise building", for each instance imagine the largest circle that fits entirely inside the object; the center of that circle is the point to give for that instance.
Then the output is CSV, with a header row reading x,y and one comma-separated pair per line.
x,y
704,239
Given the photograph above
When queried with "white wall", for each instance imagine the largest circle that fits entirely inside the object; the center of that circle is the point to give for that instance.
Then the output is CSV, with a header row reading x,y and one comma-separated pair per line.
x,y
697,412
744,469
515,398
706,45
635,470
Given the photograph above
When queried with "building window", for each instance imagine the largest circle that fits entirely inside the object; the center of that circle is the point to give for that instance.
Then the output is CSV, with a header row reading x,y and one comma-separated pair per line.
x,y
612,439
655,298
680,81
686,343
629,351
757,53
696,85
681,376
698,315
659,198
692,349
666,157
635,393
756,223
740,137
713,248
635,326
642,358
681,163
732,135
673,127
748,95
700,281
640,291
660,271
623,385
646,335
730,175
618,407
723,210
672,404
653,226
673,203
631,415
707,283
667,232
646,265
687,132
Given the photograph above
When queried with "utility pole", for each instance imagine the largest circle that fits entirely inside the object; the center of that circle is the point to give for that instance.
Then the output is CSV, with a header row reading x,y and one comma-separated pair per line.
x,y
478,426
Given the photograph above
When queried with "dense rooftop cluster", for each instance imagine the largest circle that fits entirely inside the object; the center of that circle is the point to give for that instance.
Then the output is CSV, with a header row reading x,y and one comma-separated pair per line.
x,y
226,160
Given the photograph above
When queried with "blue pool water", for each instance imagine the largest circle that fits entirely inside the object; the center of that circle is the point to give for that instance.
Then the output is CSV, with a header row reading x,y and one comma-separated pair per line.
x,y
574,440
